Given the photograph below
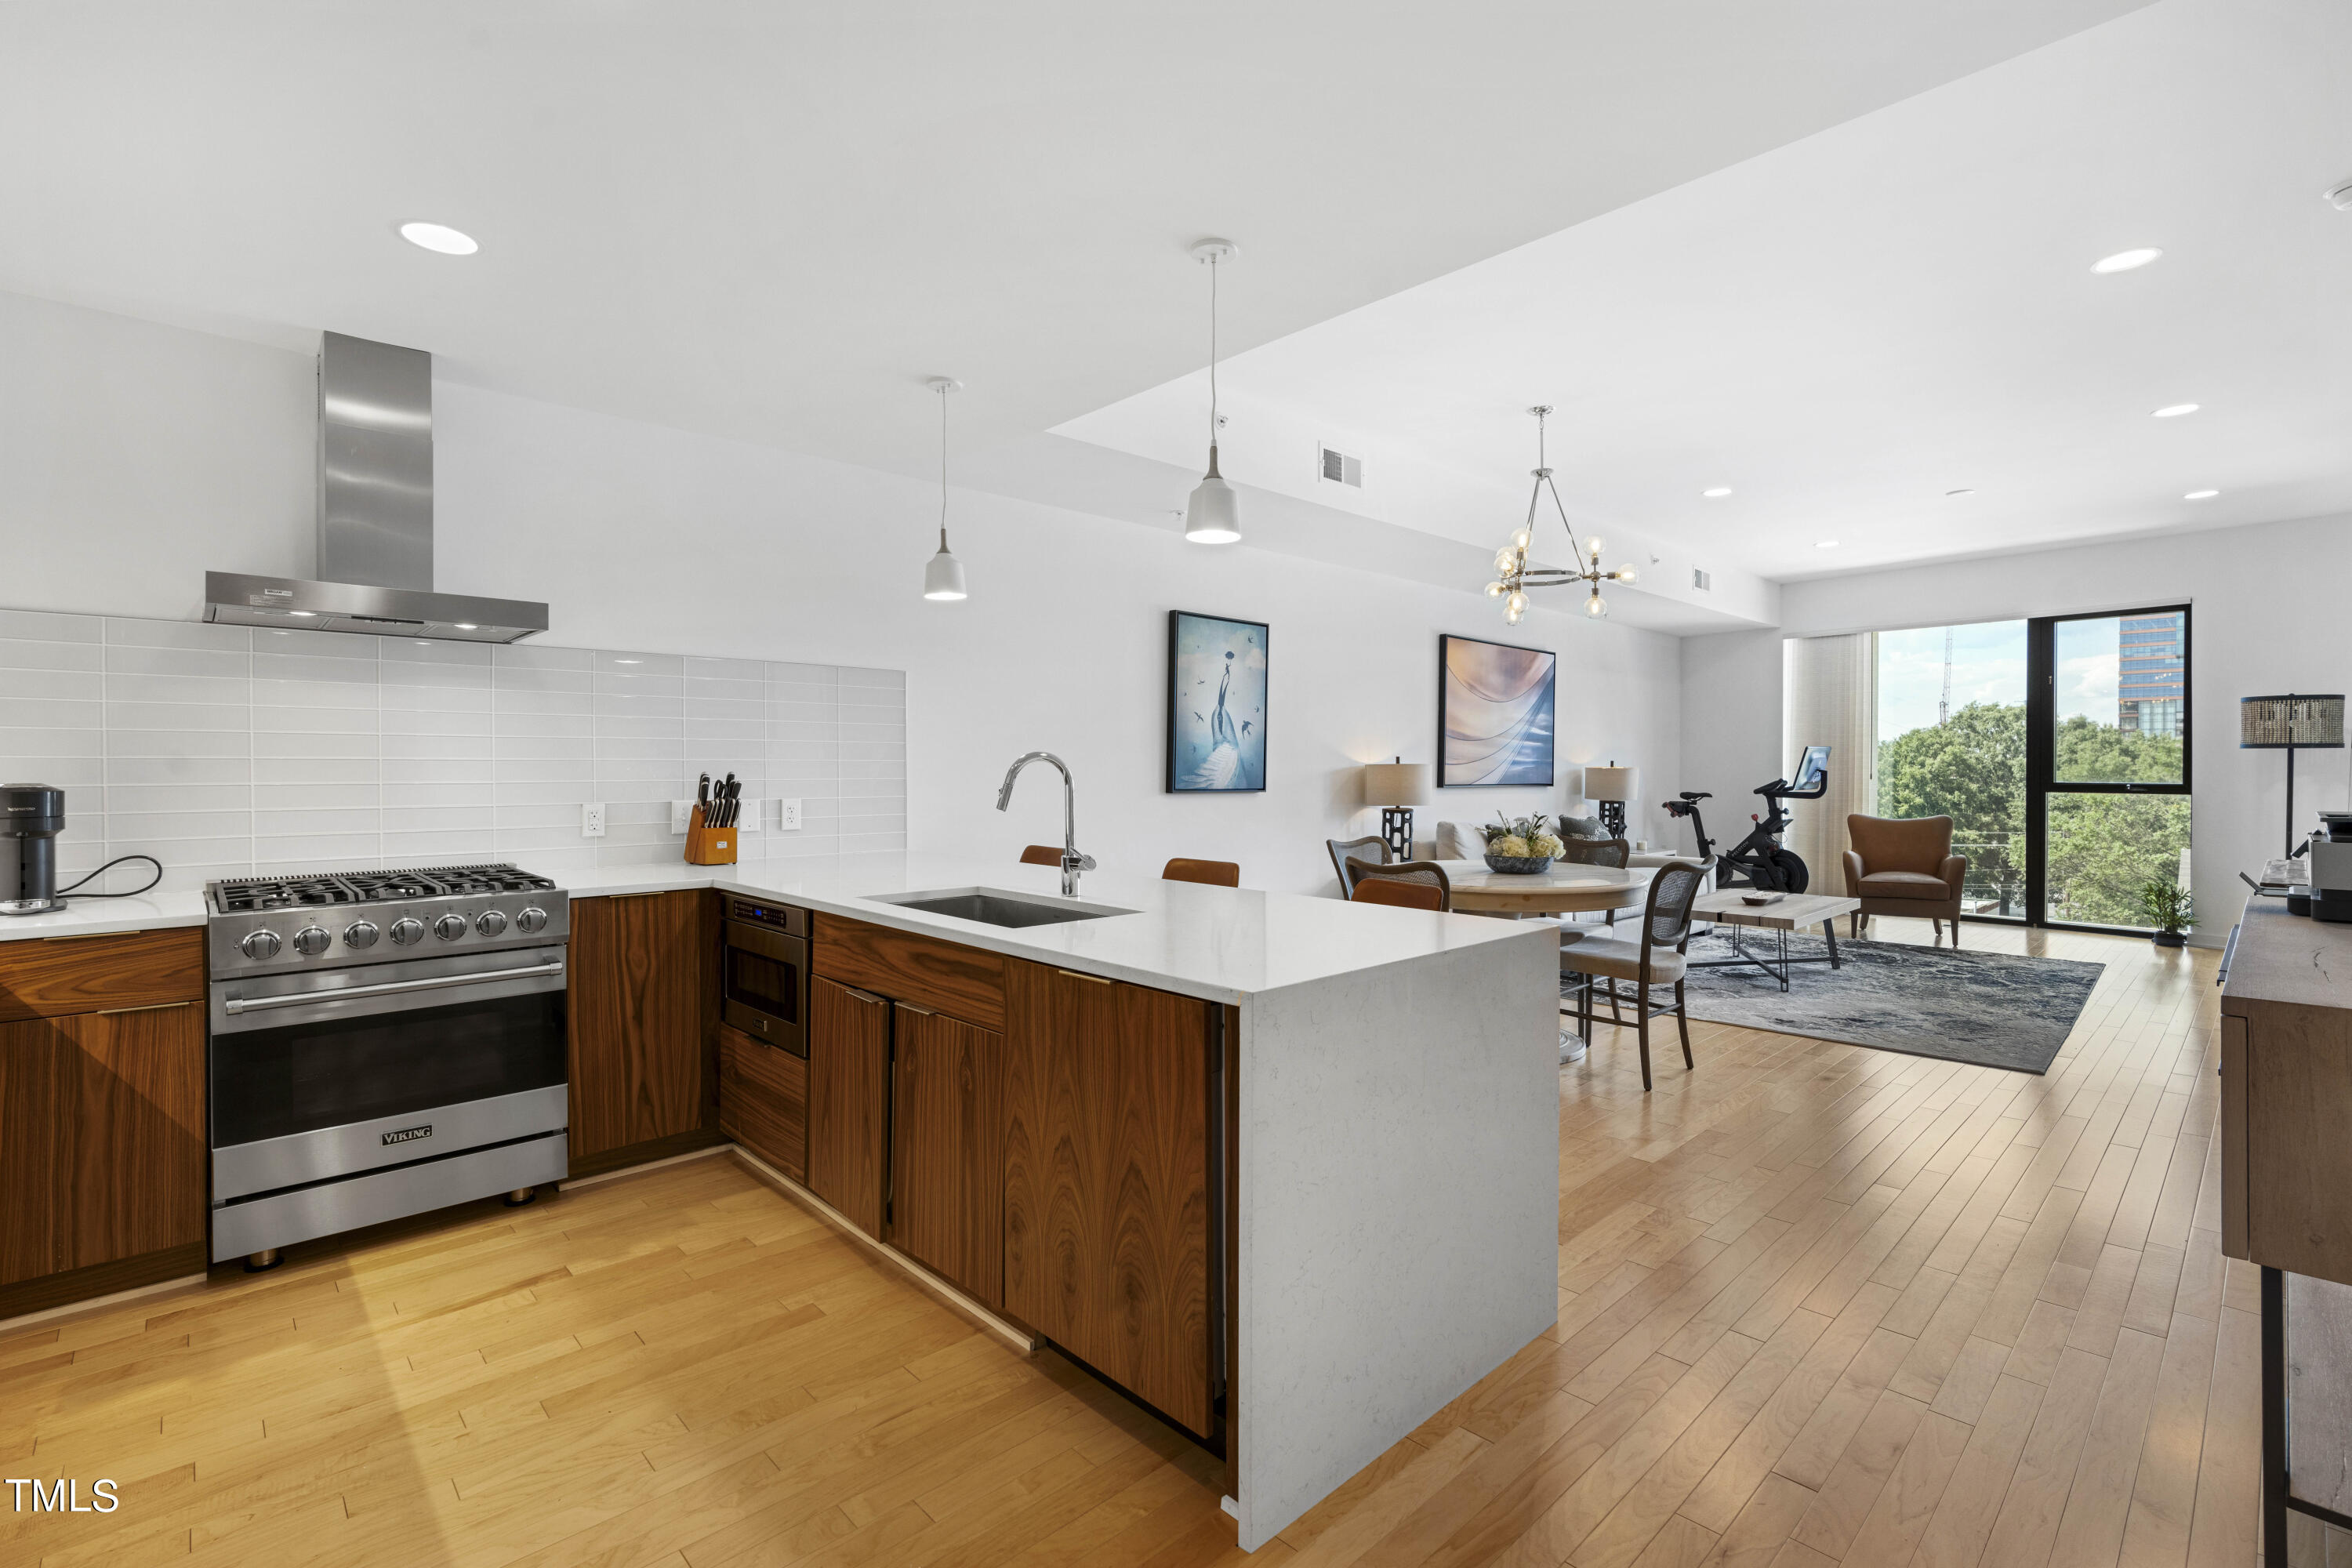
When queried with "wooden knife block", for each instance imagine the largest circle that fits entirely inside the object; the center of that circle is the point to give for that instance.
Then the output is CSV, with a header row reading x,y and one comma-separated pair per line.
x,y
710,846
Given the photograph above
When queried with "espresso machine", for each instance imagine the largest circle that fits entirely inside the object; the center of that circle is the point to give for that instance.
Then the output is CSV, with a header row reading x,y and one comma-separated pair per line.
x,y
2330,854
31,817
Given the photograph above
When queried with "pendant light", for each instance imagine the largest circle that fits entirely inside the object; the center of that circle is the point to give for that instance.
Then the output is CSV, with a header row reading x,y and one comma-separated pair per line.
x,y
943,578
1213,514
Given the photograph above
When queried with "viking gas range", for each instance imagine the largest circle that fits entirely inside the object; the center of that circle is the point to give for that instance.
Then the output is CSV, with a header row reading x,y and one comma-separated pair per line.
x,y
381,1042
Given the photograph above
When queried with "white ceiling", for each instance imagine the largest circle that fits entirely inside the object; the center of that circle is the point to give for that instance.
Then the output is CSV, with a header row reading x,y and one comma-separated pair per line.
x,y
1844,329
771,221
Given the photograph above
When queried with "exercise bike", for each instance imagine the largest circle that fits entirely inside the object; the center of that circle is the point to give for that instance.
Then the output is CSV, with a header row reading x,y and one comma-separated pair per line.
x,y
1760,860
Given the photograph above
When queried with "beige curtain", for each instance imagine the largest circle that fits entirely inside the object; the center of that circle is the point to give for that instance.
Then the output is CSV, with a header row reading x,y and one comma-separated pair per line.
x,y
1833,700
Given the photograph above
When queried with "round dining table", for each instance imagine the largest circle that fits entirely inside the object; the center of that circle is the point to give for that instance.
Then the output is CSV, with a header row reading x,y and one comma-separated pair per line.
x,y
1568,888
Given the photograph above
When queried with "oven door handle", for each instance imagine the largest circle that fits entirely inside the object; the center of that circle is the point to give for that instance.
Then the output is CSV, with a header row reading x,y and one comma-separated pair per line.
x,y
236,1004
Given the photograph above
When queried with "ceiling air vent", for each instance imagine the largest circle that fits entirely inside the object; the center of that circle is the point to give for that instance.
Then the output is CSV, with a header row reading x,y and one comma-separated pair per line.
x,y
1700,580
1339,468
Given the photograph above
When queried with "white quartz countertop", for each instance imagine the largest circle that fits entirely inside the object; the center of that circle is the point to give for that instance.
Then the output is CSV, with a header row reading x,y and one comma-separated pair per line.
x,y
1219,943
88,916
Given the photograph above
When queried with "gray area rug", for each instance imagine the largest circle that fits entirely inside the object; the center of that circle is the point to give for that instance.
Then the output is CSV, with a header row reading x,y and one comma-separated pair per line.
x,y
1994,1009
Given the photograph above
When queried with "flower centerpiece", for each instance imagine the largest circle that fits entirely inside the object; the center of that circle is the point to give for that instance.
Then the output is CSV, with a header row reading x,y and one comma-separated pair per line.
x,y
1520,845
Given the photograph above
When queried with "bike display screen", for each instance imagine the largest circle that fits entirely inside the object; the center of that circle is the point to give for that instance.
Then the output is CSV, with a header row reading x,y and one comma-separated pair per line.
x,y
1811,770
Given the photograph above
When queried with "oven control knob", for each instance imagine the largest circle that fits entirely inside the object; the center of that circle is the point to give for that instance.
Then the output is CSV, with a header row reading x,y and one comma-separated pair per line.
x,y
361,933
312,941
449,927
531,922
492,923
260,945
406,930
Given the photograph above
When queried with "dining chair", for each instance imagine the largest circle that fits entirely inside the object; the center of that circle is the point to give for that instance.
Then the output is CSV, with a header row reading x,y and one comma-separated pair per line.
x,y
1216,873
1614,852
1657,959
1344,855
1040,854
1414,884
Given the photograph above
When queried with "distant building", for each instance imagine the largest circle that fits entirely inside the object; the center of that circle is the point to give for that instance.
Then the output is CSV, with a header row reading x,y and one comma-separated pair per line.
x,y
2150,688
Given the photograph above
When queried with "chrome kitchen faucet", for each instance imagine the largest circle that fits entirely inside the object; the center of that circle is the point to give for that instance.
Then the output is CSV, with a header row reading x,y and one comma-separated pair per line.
x,y
1072,861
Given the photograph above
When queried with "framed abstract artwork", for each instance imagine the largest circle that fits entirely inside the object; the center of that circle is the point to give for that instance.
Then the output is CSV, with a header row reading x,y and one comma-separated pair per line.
x,y
1216,703
1494,714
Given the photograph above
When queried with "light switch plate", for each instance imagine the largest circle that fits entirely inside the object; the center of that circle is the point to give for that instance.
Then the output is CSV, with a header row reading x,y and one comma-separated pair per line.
x,y
592,819
788,816
750,820
681,815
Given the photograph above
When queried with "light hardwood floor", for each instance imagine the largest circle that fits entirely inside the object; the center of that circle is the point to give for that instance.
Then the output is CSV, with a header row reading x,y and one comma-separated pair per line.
x,y
1818,1304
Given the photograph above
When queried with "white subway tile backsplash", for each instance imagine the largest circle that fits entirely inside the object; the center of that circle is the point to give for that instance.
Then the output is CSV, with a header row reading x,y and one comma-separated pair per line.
x,y
225,751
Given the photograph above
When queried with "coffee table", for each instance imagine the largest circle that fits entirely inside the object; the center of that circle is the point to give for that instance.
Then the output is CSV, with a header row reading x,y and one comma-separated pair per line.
x,y
1793,910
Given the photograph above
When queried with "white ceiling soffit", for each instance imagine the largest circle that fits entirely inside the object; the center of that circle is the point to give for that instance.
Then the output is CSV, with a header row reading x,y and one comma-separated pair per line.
x,y
771,221
1845,329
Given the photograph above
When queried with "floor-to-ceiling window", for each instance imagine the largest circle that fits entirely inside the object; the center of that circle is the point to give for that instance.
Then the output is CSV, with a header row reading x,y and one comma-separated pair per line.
x,y
1951,742
2107,761
2058,746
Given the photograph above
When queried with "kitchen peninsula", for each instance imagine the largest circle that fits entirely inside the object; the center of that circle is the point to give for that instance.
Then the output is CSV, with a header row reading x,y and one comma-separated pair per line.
x,y
1377,1091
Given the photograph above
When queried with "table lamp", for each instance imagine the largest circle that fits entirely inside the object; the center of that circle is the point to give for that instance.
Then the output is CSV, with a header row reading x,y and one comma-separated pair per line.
x,y
1609,787
2290,724
1396,787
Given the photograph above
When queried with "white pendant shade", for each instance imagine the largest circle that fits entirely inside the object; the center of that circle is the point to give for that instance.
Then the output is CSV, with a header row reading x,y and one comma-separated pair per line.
x,y
943,578
1213,514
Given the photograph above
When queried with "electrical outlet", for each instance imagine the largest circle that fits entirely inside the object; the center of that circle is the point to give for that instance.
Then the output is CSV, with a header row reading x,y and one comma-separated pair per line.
x,y
592,819
788,816
681,815
750,821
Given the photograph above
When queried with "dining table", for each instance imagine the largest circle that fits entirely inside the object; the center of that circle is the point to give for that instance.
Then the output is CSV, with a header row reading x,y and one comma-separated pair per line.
x,y
1566,888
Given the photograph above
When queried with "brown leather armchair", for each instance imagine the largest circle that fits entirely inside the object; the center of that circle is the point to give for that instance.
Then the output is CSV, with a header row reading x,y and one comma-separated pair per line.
x,y
1905,867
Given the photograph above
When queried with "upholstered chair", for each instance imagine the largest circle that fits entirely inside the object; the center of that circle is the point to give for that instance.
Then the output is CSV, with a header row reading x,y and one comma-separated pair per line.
x,y
1654,960
1905,866
1411,884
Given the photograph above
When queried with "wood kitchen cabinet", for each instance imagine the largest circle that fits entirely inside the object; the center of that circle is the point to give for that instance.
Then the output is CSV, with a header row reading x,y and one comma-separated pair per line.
x,y
641,996
102,1115
137,1088
947,1149
763,1101
1107,1189
848,1099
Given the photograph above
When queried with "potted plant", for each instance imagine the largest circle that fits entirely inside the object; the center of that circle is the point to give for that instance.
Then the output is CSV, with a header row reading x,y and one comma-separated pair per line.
x,y
2166,904
1520,845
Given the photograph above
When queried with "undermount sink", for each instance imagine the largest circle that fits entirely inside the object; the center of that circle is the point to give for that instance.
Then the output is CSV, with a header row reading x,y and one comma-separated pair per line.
x,y
995,907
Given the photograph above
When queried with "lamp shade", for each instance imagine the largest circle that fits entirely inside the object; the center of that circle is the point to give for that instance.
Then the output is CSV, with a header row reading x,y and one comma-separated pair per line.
x,y
1612,782
2294,719
943,577
1397,783
1213,514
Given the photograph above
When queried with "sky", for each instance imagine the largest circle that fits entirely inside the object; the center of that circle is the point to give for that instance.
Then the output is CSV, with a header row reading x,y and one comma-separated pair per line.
x,y
1989,665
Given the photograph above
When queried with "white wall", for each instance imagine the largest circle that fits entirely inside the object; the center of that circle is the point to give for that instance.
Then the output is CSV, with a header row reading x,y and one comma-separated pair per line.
x,y
2263,618
1730,729
133,457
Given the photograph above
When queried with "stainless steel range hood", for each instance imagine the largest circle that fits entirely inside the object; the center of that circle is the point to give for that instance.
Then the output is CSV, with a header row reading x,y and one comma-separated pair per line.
x,y
376,517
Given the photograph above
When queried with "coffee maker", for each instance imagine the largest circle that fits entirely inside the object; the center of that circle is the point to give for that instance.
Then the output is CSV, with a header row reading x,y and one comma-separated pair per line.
x,y
31,817
2331,868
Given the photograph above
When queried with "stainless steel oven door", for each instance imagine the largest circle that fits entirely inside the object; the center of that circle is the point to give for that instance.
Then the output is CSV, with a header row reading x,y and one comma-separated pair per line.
x,y
763,985
309,1062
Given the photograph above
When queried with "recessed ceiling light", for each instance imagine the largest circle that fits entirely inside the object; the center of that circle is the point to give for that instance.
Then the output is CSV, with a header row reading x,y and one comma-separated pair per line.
x,y
2340,198
1825,544
2175,410
466,625
2126,260
1717,493
1963,490
2200,495
628,661
439,236
306,614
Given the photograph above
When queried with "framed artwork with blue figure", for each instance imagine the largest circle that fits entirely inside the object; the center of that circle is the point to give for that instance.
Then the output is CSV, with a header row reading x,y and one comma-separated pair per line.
x,y
1216,703
1494,714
